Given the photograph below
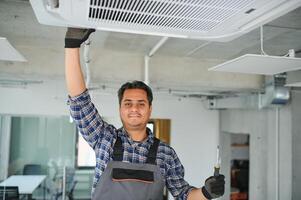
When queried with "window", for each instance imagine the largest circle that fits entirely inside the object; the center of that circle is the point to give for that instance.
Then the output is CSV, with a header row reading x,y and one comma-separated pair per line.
x,y
85,154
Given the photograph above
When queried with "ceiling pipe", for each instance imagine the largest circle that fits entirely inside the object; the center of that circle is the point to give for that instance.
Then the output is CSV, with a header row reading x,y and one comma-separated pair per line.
x,y
146,70
275,94
87,61
197,48
157,46
277,138
150,54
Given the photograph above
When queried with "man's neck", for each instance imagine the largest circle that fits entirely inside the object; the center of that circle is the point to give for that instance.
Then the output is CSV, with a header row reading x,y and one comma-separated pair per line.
x,y
137,135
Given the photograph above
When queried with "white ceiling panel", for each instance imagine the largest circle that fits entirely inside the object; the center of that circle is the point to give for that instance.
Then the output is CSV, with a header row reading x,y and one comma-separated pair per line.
x,y
259,64
8,52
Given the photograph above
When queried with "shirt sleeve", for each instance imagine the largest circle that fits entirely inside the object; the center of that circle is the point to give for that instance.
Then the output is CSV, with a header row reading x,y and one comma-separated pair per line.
x,y
88,121
175,182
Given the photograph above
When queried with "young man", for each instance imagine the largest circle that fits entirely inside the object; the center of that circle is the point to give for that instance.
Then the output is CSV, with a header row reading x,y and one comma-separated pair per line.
x,y
131,164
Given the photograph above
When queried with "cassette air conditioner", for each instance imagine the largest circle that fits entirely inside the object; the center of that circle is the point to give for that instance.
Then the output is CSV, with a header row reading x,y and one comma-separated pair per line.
x,y
215,20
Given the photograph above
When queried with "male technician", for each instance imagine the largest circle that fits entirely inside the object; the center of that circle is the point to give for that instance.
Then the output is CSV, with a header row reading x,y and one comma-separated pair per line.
x,y
131,164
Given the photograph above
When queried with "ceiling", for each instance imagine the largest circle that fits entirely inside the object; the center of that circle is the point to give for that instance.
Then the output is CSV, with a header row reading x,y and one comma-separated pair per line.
x,y
19,25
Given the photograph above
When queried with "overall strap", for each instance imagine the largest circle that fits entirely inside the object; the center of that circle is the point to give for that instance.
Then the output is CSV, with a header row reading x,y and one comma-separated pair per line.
x,y
152,153
118,150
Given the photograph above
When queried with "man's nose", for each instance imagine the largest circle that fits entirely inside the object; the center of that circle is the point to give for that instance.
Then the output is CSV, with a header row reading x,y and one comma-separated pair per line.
x,y
134,107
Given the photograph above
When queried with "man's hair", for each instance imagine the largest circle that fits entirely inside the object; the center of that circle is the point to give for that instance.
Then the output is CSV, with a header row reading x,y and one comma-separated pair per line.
x,y
136,85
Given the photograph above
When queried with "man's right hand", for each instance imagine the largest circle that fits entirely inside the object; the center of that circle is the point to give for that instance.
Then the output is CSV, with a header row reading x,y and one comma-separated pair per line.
x,y
76,36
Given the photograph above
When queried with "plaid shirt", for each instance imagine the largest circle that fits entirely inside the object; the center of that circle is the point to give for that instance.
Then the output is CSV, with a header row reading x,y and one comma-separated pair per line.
x,y
101,136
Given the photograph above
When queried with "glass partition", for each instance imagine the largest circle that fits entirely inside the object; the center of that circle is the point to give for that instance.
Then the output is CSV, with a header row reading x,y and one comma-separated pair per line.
x,y
45,141
43,145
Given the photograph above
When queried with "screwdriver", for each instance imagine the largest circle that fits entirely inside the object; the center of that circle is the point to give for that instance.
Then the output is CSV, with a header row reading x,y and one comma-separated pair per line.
x,y
218,162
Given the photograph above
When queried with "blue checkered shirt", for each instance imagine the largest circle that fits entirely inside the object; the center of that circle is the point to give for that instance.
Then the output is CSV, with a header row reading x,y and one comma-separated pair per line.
x,y
101,136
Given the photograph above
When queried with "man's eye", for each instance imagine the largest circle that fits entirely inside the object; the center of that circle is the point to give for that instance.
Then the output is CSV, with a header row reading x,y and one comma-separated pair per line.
x,y
127,104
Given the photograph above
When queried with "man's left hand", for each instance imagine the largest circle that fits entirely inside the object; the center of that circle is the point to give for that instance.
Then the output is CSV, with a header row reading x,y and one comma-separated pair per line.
x,y
214,187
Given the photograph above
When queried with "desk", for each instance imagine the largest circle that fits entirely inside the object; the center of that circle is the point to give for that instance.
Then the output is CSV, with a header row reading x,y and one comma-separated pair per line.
x,y
26,183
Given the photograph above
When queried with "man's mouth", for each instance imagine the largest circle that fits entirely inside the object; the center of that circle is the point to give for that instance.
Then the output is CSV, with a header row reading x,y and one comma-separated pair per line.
x,y
134,115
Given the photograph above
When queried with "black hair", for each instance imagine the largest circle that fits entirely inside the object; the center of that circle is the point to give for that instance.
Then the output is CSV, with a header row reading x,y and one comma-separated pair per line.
x,y
136,85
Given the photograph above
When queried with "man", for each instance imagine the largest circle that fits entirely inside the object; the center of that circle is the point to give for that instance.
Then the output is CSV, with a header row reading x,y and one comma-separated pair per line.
x,y
131,164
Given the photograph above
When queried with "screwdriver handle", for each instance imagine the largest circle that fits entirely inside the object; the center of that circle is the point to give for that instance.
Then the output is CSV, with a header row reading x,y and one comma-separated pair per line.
x,y
216,171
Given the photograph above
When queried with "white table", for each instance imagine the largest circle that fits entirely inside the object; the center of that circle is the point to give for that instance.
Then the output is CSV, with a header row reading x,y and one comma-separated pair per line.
x,y
26,183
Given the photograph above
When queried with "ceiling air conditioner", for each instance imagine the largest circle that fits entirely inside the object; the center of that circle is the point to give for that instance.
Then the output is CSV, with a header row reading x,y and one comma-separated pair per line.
x,y
215,20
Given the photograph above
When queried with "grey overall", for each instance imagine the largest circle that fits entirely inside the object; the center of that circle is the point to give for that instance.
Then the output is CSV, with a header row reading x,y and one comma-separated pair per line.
x,y
130,181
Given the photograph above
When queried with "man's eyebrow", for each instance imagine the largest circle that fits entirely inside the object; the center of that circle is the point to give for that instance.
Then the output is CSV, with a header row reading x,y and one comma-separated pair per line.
x,y
130,100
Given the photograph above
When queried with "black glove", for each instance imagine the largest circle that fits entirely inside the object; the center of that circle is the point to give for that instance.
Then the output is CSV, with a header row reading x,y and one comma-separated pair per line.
x,y
214,187
76,36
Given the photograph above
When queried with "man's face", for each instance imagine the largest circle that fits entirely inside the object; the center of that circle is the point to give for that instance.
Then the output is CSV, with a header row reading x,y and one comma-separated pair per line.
x,y
134,110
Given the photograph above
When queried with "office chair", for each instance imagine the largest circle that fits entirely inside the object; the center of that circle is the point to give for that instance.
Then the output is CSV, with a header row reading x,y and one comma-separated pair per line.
x,y
33,169
9,192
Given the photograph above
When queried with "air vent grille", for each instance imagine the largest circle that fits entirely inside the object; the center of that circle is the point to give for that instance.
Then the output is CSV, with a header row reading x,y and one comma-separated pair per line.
x,y
179,15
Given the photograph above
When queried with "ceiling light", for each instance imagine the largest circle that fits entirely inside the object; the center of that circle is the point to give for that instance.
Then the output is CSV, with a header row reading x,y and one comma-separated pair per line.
x,y
259,64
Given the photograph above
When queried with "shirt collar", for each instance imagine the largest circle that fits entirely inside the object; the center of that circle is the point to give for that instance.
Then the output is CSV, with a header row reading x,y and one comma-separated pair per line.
x,y
148,141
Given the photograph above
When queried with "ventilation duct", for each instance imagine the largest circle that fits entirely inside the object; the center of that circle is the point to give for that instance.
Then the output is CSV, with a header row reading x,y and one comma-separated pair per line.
x,y
216,20
275,94
293,79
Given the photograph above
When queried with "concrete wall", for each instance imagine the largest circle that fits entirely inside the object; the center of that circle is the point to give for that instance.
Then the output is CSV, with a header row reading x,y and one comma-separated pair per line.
x,y
296,147
261,126
194,129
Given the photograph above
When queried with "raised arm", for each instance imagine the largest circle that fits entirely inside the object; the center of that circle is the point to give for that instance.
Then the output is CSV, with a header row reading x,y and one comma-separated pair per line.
x,y
88,121
74,76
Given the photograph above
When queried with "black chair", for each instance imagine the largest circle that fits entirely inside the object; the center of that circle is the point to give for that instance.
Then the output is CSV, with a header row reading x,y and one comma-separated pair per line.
x,y
9,192
33,169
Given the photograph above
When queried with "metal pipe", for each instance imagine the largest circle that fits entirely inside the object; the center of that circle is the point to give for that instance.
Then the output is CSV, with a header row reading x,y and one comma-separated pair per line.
x,y
277,154
146,70
64,183
157,46
87,61
197,48
150,54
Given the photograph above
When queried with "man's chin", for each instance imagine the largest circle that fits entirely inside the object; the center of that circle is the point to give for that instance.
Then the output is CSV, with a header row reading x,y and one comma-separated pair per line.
x,y
135,125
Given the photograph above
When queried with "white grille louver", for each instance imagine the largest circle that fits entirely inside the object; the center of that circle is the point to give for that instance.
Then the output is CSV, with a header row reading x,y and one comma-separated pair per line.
x,y
196,16
219,20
